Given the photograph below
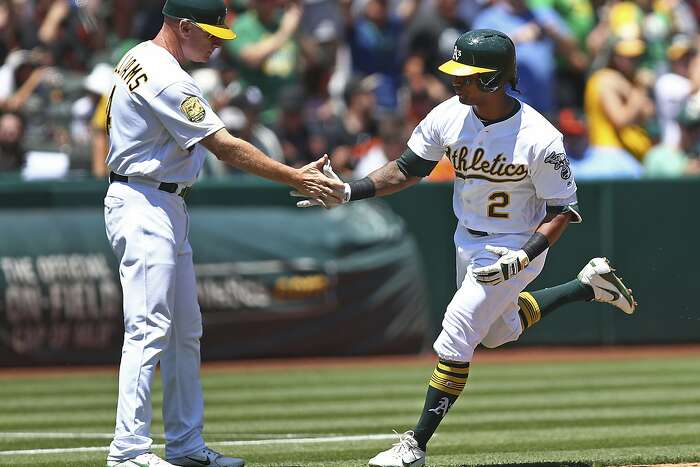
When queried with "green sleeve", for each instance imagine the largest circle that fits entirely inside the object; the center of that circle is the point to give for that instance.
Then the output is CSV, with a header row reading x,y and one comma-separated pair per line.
x,y
412,165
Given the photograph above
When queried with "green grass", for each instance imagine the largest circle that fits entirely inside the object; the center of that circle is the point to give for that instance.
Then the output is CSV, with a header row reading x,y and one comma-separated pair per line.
x,y
605,412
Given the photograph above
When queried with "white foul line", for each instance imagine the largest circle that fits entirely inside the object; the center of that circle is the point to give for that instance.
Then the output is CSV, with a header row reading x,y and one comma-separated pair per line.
x,y
326,439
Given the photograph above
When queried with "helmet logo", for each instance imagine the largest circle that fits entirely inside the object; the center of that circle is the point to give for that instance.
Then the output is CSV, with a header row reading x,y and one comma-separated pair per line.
x,y
457,54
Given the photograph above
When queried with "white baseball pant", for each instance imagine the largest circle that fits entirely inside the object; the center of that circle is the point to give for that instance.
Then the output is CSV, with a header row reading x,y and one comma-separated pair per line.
x,y
479,313
148,231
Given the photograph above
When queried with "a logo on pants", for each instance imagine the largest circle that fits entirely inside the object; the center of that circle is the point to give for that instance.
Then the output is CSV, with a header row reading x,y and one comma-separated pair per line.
x,y
442,408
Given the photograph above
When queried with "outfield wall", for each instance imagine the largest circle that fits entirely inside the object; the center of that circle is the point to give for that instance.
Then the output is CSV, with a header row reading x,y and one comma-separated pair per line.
x,y
647,228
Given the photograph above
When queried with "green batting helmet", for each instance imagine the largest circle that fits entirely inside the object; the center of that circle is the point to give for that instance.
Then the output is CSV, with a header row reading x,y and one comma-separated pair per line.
x,y
486,52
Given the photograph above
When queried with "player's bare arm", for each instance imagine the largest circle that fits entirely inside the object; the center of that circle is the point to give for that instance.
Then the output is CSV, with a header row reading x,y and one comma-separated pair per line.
x,y
394,176
308,180
390,179
554,225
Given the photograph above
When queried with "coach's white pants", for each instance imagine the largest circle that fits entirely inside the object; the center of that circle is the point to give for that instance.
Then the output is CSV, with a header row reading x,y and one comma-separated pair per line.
x,y
483,314
147,229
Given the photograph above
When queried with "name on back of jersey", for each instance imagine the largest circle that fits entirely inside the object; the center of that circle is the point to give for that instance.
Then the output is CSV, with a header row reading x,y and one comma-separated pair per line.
x,y
477,166
131,71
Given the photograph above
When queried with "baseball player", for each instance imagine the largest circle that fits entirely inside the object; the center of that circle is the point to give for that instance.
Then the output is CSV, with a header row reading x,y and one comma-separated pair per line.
x,y
514,196
159,126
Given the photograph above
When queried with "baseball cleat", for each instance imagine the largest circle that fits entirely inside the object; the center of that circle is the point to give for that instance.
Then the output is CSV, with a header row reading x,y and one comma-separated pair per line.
x,y
607,287
207,457
405,453
144,460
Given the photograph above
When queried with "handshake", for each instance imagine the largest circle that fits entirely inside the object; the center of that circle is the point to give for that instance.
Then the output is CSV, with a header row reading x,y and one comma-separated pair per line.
x,y
327,202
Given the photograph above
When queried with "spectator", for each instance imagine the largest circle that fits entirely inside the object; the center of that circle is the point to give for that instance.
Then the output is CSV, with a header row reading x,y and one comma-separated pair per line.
x,y
21,76
73,32
572,64
387,147
12,153
375,39
668,160
432,34
292,128
349,132
326,72
573,127
89,126
537,34
421,91
266,51
243,120
673,88
615,106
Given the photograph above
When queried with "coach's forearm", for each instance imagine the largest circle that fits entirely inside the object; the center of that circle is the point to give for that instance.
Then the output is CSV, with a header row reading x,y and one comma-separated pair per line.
x,y
389,179
244,156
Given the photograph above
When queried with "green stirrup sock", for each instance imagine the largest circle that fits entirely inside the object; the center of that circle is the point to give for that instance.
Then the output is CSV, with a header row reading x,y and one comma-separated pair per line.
x,y
445,386
534,305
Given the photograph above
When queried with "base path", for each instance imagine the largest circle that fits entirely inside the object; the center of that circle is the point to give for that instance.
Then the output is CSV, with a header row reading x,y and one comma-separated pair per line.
x,y
512,354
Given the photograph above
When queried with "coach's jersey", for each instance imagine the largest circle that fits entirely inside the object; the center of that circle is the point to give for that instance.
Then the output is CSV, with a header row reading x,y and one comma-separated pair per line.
x,y
505,172
156,116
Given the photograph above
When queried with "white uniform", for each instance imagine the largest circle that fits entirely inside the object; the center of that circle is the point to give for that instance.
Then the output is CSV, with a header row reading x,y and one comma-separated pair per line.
x,y
507,173
156,117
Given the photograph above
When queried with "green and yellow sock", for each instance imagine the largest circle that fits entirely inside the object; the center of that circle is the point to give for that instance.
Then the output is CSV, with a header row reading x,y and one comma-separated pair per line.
x,y
446,384
535,305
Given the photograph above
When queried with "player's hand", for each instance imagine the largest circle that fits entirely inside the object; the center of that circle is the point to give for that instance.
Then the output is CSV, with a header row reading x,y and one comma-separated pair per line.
x,y
508,265
328,204
317,185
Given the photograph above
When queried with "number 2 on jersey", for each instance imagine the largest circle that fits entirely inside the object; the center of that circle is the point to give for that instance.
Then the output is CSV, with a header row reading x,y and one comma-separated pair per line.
x,y
499,200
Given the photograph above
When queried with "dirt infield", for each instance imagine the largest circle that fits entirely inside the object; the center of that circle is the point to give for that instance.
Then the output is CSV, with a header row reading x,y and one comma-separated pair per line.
x,y
508,355
663,465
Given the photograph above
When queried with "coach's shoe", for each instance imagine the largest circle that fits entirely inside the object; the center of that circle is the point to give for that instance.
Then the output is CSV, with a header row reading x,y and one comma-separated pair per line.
x,y
607,287
144,460
207,457
405,453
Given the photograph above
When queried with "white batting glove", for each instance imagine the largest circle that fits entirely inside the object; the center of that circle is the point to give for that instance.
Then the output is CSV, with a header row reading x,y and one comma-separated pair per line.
x,y
307,203
510,263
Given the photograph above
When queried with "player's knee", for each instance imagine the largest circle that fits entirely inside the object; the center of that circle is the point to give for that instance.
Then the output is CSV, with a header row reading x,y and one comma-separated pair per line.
x,y
490,345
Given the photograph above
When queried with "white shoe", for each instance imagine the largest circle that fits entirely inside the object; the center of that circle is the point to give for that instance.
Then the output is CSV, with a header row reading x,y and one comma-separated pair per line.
x,y
405,453
607,287
207,457
144,460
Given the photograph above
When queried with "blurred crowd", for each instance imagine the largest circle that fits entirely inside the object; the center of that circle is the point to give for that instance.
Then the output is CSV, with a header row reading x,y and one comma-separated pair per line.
x,y
352,78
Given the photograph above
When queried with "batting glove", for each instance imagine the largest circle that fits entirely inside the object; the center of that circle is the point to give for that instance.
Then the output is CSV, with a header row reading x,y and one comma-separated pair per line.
x,y
509,264
328,204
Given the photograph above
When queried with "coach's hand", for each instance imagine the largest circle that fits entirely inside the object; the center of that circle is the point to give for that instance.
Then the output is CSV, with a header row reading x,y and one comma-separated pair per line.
x,y
327,203
315,184
508,265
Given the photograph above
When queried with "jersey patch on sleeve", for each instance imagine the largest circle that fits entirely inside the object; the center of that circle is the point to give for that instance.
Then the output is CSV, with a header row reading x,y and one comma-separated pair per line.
x,y
193,109
560,162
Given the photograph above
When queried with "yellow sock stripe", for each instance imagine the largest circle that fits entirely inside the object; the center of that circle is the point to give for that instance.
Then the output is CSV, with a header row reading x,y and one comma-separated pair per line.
x,y
440,387
447,383
453,369
455,379
529,308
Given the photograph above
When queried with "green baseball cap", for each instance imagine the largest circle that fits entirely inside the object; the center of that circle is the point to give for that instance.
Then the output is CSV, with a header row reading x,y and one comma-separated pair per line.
x,y
207,14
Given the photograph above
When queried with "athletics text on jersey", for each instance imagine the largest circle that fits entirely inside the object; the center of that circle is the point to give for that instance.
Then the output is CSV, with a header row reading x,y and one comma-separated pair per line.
x,y
505,172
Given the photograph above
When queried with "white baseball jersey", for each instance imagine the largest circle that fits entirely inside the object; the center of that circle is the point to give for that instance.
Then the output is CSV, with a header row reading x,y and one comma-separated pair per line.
x,y
156,116
506,172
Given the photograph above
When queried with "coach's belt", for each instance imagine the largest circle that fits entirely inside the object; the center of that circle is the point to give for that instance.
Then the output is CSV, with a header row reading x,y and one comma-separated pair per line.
x,y
478,233
162,186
